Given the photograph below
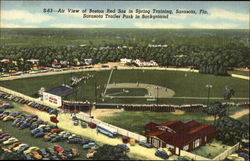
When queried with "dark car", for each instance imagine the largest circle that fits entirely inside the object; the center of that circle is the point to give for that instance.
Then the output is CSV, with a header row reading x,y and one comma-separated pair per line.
x,y
25,125
145,144
161,154
22,148
39,134
57,139
16,121
4,138
123,147
75,141
45,153
36,130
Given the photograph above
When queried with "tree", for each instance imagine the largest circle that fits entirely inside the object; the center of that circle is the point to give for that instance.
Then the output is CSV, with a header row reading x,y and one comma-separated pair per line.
x,y
108,152
11,156
215,109
228,93
231,131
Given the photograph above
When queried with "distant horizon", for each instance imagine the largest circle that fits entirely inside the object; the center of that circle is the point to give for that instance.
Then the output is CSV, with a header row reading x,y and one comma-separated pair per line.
x,y
137,14
125,28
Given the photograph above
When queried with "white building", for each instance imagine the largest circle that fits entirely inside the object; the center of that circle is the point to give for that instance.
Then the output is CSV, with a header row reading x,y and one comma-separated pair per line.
x,y
55,95
88,61
150,63
125,60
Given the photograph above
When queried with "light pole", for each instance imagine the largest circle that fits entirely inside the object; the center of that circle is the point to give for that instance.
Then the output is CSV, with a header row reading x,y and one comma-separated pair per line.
x,y
208,93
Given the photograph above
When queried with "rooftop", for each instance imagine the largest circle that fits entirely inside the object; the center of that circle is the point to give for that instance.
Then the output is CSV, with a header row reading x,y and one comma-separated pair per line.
x,y
62,90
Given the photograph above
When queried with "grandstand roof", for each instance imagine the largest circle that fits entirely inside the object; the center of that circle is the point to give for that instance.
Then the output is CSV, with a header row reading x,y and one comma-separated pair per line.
x,y
61,90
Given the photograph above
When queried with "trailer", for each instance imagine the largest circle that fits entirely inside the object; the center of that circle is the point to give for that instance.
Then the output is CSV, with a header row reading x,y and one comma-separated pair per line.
x,y
106,130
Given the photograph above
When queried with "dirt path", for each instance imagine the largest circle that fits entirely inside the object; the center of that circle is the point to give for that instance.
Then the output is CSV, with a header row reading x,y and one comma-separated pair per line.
x,y
235,115
240,113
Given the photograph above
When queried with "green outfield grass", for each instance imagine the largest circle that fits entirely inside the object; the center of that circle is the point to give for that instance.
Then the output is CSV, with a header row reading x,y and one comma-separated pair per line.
x,y
194,85
136,120
130,92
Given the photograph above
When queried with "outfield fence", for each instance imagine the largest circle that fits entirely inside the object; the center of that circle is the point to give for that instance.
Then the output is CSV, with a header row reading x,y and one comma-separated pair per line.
x,y
85,117
192,156
227,152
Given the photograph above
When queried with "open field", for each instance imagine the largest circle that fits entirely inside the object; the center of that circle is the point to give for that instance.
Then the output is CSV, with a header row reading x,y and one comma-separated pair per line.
x,y
136,120
192,85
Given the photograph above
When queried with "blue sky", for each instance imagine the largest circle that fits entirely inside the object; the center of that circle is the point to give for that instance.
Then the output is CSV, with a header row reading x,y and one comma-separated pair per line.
x,y
221,15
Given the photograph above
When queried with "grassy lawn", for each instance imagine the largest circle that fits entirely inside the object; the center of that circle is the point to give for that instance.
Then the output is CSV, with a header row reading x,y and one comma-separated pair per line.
x,y
210,150
136,120
127,92
191,86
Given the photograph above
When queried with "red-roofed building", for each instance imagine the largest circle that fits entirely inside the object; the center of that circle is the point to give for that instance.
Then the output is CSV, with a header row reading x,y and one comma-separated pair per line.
x,y
178,135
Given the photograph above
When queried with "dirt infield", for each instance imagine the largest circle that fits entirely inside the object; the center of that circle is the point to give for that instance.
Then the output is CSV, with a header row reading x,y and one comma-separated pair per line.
x,y
153,90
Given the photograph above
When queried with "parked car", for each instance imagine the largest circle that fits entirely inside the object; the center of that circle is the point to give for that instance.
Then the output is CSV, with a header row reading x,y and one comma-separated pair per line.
x,y
15,144
22,148
75,152
75,141
161,154
57,139
145,144
90,154
30,149
18,147
39,134
29,156
58,148
123,147
45,152
89,145
84,124
10,141
92,125
36,155
4,134
8,118
4,138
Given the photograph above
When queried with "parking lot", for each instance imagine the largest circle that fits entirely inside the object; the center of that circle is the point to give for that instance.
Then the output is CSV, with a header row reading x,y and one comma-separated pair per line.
x,y
66,123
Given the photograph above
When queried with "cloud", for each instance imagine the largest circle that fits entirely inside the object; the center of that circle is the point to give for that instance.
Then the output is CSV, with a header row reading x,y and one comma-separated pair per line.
x,y
156,25
4,25
76,26
216,13
213,26
24,16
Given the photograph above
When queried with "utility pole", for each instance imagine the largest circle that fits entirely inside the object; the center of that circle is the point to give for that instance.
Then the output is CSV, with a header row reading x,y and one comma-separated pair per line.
x,y
208,93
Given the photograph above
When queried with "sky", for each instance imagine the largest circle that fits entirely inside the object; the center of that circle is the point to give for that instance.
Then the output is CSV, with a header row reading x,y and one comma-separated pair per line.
x,y
221,14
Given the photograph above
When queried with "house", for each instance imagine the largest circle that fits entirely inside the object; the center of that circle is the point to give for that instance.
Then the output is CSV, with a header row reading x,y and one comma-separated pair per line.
x,y
5,61
33,61
125,60
55,95
88,61
178,135
56,65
